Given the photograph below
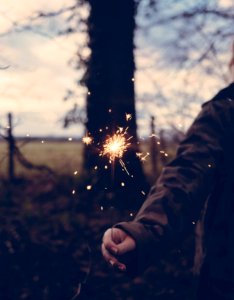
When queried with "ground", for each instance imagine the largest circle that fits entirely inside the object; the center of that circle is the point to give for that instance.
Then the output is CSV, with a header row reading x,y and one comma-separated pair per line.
x,y
50,243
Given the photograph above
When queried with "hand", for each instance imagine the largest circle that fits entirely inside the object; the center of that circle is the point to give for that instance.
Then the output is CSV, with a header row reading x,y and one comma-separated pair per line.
x,y
116,243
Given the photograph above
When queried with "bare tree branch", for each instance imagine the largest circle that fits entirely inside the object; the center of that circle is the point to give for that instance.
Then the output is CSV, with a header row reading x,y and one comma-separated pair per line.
x,y
4,67
186,15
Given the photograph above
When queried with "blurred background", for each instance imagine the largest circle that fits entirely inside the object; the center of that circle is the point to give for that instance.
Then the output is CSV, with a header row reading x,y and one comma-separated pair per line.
x,y
78,79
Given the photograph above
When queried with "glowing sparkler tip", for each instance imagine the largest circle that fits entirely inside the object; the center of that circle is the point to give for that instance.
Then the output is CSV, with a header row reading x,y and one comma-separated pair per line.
x,y
115,146
88,187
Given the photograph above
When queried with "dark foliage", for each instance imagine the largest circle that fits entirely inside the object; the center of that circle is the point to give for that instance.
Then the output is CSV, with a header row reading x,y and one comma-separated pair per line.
x,y
50,249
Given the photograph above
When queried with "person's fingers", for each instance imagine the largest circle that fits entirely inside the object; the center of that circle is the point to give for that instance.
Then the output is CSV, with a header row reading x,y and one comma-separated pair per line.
x,y
108,241
110,259
127,245
117,242
107,256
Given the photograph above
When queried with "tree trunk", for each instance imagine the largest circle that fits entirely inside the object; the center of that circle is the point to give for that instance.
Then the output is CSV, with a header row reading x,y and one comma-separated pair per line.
x,y
109,78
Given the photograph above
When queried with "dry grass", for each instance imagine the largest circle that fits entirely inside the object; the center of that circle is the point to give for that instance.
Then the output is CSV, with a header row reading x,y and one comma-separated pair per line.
x,y
62,157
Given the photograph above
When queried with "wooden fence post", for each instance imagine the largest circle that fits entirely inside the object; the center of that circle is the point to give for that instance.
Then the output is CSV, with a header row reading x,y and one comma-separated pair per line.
x,y
153,148
11,146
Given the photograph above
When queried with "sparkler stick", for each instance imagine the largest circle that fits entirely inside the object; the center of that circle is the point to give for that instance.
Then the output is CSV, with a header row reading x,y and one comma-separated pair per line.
x,y
114,148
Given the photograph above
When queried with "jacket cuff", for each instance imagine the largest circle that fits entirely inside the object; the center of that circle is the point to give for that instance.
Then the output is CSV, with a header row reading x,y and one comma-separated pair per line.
x,y
147,246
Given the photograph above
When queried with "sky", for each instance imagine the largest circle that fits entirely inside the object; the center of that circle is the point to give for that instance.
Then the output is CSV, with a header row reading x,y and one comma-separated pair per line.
x,y
38,74
35,83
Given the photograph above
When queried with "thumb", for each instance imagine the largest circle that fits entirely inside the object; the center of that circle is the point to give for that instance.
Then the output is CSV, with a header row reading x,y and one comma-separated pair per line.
x,y
127,245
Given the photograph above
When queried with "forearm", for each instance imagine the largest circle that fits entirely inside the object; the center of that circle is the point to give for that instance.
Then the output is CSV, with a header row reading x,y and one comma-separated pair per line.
x,y
180,192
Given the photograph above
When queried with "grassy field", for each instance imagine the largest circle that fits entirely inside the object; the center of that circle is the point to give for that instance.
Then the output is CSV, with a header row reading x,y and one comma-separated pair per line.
x,y
63,157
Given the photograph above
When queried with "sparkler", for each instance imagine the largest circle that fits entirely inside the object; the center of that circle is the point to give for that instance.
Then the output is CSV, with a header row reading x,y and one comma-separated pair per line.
x,y
115,146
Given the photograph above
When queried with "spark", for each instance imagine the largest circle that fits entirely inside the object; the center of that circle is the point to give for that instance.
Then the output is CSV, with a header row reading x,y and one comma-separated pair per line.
x,y
128,117
143,193
209,165
88,187
73,192
122,184
141,156
133,79
27,135
106,167
124,167
96,167
70,139
131,214
89,93
101,207
42,142
115,146
75,172
87,140
109,110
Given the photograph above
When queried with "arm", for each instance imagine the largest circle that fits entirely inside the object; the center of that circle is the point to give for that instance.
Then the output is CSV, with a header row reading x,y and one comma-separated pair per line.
x,y
180,192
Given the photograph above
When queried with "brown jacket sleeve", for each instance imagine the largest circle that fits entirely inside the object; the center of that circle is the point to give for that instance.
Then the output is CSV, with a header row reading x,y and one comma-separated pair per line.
x,y
179,194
